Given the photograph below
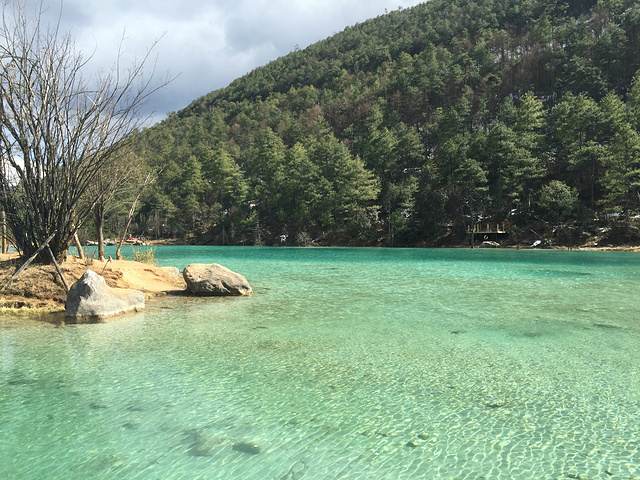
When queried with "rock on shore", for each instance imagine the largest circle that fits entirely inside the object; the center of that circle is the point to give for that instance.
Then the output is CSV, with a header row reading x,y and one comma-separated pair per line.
x,y
91,297
214,280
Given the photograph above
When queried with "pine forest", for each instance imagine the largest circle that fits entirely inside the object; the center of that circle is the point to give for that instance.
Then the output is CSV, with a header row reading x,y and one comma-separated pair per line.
x,y
408,128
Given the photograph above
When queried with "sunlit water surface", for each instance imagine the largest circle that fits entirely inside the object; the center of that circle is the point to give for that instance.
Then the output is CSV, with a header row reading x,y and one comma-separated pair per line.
x,y
345,363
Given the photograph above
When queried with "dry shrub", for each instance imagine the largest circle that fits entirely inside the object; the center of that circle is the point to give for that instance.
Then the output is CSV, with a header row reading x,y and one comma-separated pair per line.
x,y
145,255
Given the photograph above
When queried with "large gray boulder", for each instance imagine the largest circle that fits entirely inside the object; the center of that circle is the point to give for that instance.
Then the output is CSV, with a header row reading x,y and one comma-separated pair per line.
x,y
91,297
214,280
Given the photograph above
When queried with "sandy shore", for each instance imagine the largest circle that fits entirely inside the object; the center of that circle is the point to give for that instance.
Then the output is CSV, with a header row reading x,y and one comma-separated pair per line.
x,y
39,288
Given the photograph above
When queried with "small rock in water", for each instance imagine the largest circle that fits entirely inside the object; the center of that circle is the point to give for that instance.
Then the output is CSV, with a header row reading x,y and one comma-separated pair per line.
x,y
576,476
130,425
201,449
201,445
20,381
296,472
497,404
411,444
423,436
606,325
250,448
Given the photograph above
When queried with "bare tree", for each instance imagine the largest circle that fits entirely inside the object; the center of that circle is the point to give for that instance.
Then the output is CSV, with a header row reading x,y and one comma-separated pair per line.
x,y
58,128
150,178
119,179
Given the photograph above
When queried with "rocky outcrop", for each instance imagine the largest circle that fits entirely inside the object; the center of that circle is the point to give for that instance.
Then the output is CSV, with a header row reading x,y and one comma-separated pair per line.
x,y
90,297
173,272
214,280
489,244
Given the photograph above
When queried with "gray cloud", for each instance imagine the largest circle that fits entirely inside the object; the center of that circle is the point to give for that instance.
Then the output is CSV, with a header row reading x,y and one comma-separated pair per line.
x,y
209,43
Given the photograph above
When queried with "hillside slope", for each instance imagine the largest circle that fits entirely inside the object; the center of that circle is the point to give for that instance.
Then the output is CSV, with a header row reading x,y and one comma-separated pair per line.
x,y
404,129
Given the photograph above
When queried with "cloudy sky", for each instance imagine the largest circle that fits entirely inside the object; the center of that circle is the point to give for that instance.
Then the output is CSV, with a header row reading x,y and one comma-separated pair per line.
x,y
208,43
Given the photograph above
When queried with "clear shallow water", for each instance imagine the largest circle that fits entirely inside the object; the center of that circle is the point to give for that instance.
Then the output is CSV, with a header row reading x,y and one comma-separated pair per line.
x,y
345,363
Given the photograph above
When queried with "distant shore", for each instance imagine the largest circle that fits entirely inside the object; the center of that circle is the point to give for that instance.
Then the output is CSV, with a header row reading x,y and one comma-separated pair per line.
x,y
584,248
621,248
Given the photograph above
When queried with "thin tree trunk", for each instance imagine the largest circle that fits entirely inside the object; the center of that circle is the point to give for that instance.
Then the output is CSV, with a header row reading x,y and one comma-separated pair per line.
x,y
126,227
147,181
3,219
55,263
472,226
99,219
76,242
29,260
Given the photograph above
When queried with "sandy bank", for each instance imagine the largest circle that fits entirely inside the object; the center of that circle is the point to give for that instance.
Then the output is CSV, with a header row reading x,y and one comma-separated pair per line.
x,y
39,288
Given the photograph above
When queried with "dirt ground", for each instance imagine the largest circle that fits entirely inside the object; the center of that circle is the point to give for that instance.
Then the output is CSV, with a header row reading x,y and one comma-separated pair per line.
x,y
39,288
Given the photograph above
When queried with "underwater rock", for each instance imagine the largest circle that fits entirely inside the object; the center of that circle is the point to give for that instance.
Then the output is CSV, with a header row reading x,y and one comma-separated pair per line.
x,y
91,297
202,448
250,448
214,280
201,444
608,326
575,476
20,381
296,472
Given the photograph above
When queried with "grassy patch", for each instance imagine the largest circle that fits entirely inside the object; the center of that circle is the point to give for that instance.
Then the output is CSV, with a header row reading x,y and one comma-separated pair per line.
x,y
145,255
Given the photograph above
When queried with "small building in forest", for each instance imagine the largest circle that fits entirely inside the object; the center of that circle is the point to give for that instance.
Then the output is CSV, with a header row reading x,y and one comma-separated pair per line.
x,y
488,231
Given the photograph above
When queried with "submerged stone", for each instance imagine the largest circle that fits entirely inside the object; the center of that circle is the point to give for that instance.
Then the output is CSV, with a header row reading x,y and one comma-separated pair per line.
x,y
250,448
201,449
201,445
20,381
607,325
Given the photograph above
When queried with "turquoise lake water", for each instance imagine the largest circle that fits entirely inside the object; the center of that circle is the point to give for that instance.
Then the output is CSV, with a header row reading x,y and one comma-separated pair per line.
x,y
345,363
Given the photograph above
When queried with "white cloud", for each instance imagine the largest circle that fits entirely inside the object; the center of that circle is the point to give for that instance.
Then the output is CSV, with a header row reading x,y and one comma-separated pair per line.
x,y
208,42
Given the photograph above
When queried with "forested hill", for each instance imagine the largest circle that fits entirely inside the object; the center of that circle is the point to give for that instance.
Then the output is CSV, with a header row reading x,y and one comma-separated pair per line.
x,y
403,129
